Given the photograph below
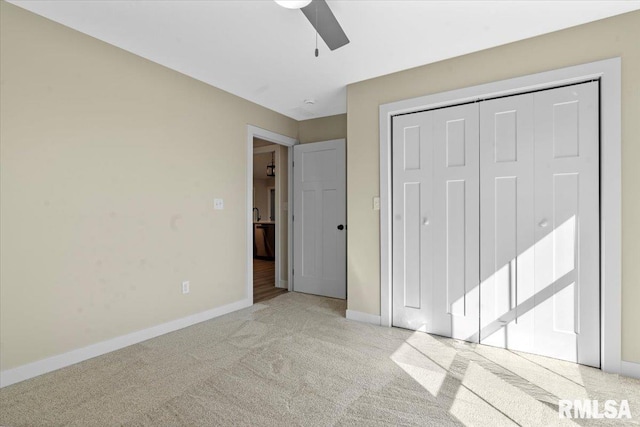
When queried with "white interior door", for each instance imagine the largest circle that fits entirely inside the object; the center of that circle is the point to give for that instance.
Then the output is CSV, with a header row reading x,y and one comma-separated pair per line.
x,y
567,248
412,234
319,219
507,229
456,303
435,222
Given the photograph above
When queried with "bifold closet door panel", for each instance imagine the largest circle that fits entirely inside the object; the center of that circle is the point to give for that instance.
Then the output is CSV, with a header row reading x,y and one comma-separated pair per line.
x,y
455,222
435,222
506,229
567,249
412,241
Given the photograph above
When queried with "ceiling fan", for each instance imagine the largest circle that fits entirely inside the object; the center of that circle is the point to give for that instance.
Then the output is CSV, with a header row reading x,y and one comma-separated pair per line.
x,y
322,19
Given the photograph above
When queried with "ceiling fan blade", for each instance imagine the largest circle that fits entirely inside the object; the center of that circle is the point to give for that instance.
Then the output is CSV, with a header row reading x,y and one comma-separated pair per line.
x,y
328,27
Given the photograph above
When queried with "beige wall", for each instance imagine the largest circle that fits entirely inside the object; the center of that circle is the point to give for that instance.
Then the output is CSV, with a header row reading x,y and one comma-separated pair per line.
x,y
110,164
617,36
323,129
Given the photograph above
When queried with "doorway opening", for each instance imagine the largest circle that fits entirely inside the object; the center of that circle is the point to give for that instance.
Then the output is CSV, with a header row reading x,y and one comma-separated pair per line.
x,y
269,190
268,218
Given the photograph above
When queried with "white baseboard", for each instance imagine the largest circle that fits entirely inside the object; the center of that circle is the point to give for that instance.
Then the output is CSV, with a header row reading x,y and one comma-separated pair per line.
x,y
630,369
30,370
359,316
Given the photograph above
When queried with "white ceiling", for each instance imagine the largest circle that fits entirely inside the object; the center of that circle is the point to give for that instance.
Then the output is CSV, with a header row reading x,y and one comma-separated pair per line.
x,y
265,53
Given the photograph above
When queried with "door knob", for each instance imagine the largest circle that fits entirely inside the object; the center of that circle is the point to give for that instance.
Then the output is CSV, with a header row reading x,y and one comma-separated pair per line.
x,y
341,227
543,223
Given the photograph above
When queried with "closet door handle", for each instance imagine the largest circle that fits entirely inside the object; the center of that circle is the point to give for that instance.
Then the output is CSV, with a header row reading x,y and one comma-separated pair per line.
x,y
543,223
341,227
425,221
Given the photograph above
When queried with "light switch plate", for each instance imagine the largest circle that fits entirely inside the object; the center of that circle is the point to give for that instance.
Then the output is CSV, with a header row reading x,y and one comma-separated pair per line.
x,y
376,203
218,204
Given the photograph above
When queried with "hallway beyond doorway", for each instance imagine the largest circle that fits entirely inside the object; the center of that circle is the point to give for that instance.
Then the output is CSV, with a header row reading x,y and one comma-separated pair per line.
x,y
264,287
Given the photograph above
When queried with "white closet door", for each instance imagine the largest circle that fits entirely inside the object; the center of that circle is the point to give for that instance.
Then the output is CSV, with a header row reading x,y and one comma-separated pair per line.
x,y
567,249
455,222
506,230
435,222
412,153
540,223
499,204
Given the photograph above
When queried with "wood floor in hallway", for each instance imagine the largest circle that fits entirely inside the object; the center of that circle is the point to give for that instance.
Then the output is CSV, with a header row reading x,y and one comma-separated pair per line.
x,y
264,279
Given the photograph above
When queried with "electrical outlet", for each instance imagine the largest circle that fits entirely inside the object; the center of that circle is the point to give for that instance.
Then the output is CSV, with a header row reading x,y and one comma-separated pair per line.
x,y
185,287
218,204
376,203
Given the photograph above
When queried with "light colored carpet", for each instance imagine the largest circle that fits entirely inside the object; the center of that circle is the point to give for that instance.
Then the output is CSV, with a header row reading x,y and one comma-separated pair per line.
x,y
295,360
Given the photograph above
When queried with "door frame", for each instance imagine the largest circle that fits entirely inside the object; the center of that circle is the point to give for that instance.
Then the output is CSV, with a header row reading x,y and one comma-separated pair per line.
x,y
608,72
276,138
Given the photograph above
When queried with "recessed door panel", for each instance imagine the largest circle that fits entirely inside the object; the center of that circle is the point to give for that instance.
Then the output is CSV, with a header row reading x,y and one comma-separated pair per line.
x,y
411,152
506,248
456,142
566,129
331,241
412,260
505,135
308,228
455,252
318,166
